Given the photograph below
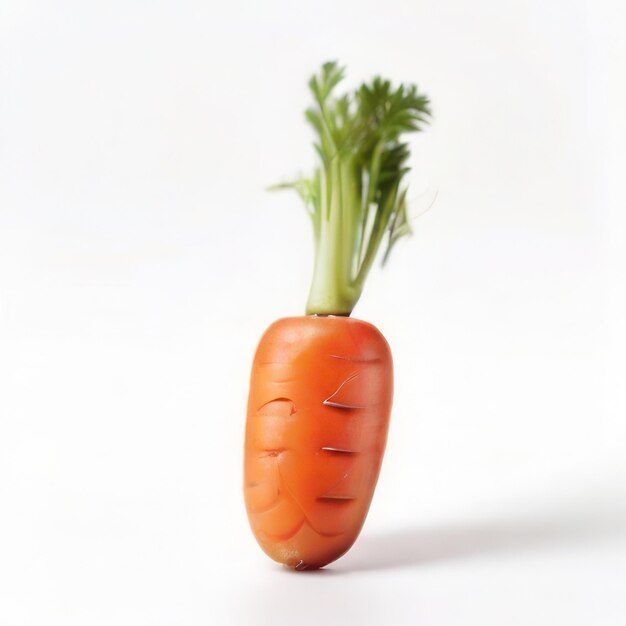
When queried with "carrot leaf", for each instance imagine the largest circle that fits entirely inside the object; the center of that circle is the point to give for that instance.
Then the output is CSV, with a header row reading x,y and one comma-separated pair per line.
x,y
356,194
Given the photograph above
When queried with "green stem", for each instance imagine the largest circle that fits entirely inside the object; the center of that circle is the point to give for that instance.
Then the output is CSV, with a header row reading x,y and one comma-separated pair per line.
x,y
332,289
378,230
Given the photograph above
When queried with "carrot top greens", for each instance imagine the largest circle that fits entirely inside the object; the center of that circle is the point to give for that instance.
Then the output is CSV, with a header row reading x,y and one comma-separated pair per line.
x,y
355,196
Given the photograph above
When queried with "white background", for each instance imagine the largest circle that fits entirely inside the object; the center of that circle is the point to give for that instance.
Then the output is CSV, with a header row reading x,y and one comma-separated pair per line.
x,y
141,259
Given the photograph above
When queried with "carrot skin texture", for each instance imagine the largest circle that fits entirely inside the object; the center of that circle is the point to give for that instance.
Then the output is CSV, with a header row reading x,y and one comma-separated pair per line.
x,y
318,413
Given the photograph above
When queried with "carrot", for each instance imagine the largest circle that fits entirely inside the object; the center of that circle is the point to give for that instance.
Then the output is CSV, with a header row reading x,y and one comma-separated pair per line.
x,y
322,384
318,413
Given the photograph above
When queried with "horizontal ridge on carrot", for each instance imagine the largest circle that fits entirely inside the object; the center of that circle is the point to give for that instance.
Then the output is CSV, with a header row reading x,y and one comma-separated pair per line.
x,y
322,384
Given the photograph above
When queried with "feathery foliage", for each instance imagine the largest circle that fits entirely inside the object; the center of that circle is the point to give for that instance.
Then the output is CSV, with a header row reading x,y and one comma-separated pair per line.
x,y
355,196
